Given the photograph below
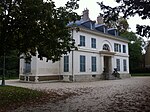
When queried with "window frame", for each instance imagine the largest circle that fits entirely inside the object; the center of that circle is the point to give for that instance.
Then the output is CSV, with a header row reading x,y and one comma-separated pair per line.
x,y
82,40
124,48
117,47
66,63
82,63
93,64
93,42
118,64
124,65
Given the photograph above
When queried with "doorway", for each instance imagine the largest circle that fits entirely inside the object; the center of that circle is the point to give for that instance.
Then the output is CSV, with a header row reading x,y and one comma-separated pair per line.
x,y
107,66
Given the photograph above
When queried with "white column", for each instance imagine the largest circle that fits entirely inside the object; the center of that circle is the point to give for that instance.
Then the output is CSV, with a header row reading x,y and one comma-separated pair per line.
x,y
102,63
36,72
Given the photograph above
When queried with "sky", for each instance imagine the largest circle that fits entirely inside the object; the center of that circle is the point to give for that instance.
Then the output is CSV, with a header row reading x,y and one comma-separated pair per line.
x,y
94,11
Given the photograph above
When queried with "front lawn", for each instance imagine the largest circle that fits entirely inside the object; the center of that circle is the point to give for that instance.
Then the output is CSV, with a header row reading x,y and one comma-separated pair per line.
x,y
140,74
13,97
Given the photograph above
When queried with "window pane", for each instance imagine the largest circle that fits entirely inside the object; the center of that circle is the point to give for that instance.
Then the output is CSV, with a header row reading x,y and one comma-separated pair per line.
x,y
93,64
82,40
106,47
124,49
66,63
93,42
117,47
118,64
82,63
124,65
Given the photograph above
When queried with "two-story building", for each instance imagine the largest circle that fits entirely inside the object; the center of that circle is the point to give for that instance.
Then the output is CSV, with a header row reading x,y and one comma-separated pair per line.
x,y
99,50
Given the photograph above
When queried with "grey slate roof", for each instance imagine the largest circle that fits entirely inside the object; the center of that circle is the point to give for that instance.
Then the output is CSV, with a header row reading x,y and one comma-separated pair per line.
x,y
91,25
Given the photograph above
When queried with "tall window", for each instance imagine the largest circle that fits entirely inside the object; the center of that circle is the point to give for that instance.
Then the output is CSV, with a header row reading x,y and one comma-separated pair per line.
x,y
117,47
27,66
66,63
93,63
118,64
124,48
82,63
82,40
93,42
106,47
124,65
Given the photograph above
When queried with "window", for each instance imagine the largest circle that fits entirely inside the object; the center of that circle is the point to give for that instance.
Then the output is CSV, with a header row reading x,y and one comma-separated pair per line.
x,y
106,47
82,40
66,63
124,65
82,63
93,42
124,48
27,66
117,47
93,64
118,64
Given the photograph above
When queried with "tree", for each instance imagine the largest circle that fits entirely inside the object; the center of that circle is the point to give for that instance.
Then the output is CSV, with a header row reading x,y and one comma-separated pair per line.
x,y
121,24
129,8
31,26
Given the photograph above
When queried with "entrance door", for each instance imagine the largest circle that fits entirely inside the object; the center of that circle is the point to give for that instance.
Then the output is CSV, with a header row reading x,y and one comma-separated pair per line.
x,y
107,66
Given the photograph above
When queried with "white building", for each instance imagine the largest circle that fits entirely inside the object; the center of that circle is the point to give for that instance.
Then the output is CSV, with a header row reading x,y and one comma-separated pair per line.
x,y
100,50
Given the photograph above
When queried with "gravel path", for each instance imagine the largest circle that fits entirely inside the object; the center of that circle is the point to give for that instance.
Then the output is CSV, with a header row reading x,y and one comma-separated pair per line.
x,y
125,95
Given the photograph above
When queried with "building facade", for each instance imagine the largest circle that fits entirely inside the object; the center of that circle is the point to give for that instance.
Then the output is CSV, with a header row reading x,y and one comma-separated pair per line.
x,y
100,51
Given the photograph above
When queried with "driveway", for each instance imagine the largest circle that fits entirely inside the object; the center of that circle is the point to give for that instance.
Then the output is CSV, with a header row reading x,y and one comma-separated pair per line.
x,y
125,95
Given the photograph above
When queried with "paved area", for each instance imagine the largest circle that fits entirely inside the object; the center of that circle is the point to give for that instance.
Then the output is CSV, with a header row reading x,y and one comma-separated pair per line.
x,y
125,95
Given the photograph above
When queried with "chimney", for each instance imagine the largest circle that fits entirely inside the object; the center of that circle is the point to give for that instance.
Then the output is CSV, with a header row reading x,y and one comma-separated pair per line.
x,y
85,16
100,20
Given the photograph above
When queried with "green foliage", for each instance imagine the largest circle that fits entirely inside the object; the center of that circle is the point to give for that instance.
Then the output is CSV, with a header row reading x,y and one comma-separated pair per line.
x,y
29,26
12,65
128,8
121,24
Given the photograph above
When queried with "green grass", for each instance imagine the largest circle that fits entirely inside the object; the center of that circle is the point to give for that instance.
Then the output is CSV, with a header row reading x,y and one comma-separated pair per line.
x,y
13,97
140,74
8,78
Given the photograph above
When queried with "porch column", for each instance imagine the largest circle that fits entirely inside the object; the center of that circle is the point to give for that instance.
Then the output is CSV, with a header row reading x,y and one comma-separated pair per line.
x,y
102,63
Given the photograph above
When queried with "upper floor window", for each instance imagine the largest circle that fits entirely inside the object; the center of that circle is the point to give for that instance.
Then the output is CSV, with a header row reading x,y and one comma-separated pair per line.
x,y
82,63
118,64
124,48
106,47
117,47
93,42
93,62
82,40
66,63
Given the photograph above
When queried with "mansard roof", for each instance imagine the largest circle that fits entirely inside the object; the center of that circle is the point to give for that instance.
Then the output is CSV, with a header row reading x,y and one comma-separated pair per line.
x,y
99,28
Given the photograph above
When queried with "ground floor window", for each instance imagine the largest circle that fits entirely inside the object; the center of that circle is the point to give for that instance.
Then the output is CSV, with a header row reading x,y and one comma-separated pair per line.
x,y
82,63
124,65
118,64
66,63
93,62
27,66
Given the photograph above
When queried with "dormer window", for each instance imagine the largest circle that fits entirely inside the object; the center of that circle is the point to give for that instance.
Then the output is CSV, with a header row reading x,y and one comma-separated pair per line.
x,y
113,31
106,47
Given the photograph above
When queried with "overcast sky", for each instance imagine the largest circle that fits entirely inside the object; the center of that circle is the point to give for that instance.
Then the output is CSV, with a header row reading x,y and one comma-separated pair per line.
x,y
94,11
